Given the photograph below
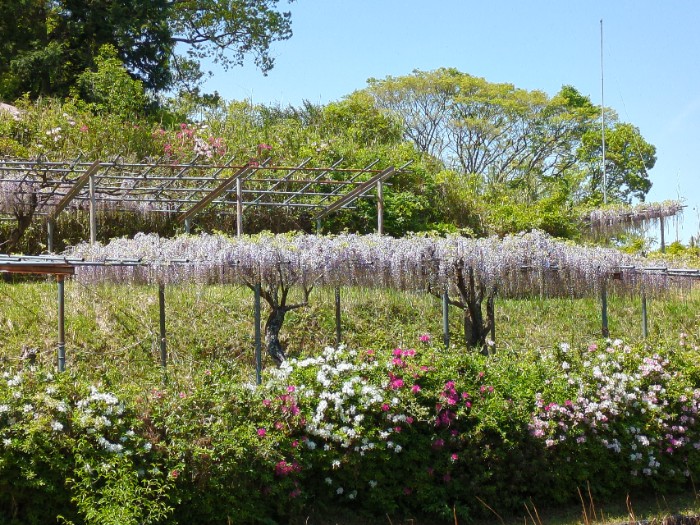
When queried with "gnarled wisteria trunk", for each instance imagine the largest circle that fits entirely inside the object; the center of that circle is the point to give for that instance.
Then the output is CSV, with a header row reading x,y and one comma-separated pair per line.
x,y
24,215
275,296
471,294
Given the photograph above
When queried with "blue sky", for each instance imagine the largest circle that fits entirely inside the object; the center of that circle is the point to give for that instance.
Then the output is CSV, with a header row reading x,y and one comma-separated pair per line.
x,y
651,57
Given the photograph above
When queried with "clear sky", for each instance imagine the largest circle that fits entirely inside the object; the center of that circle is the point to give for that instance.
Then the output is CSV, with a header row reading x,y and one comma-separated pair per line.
x,y
651,63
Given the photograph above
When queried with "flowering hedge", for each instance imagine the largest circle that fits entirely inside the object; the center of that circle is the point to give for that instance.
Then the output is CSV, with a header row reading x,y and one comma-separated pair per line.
x,y
405,431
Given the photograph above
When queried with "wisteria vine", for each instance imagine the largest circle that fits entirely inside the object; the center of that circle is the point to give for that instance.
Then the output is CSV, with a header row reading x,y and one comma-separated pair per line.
x,y
518,265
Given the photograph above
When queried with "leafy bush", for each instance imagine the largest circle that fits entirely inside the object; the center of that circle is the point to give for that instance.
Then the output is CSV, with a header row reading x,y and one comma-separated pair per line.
x,y
417,431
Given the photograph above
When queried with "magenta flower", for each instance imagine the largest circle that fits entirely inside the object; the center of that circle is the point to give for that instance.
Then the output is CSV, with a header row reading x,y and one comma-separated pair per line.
x,y
454,457
415,389
425,338
397,361
395,382
262,432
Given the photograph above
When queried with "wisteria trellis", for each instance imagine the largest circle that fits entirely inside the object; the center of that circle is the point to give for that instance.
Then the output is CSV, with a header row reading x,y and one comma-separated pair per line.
x,y
522,264
468,270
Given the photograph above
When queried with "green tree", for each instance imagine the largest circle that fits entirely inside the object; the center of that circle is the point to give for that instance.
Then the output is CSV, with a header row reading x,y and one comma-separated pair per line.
x,y
521,146
110,89
500,132
628,159
47,44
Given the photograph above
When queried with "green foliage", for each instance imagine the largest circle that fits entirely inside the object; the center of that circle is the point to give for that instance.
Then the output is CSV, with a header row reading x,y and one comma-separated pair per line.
x,y
110,89
48,45
628,159
414,431
539,169
54,42
516,145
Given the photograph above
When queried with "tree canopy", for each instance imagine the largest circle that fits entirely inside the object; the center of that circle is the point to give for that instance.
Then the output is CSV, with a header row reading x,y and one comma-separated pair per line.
x,y
47,45
524,140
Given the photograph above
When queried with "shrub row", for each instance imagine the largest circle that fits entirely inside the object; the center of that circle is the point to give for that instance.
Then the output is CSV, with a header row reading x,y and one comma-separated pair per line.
x,y
413,431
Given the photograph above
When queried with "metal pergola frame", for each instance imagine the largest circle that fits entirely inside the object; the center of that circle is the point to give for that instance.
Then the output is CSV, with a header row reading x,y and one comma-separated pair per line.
x,y
185,189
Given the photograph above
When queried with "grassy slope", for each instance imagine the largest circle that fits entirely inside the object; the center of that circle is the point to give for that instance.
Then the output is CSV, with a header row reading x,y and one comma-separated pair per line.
x,y
112,334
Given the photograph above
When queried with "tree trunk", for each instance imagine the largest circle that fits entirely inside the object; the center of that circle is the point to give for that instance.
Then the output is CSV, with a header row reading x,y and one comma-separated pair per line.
x,y
273,325
24,220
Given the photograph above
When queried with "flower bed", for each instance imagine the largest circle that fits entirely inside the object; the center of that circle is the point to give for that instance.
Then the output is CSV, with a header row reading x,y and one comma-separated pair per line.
x,y
409,431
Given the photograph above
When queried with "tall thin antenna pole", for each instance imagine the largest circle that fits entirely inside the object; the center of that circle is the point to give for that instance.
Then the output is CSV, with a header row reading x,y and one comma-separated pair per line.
x,y
602,115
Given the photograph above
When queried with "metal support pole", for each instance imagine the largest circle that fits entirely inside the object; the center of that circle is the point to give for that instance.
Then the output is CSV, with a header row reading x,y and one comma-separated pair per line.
x,y
50,227
662,228
318,227
446,318
602,117
188,225
337,316
61,324
491,313
93,211
161,308
604,310
380,208
239,207
258,341
645,326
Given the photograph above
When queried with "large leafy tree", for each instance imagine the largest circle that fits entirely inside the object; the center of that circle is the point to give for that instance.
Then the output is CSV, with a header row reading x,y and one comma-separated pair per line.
x,y
628,159
47,44
524,142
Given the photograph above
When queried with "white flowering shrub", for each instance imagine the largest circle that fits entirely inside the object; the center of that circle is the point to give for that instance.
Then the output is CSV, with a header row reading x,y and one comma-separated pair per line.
x,y
76,449
637,410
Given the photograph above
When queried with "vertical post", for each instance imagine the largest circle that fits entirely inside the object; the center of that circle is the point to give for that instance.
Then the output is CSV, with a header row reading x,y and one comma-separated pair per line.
x,y
50,224
239,207
446,318
161,309
188,225
318,227
93,211
604,309
645,326
258,341
380,208
662,228
602,116
491,315
61,324
337,317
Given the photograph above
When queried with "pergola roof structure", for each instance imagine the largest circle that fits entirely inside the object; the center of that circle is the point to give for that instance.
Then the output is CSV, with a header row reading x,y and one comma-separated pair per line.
x,y
185,189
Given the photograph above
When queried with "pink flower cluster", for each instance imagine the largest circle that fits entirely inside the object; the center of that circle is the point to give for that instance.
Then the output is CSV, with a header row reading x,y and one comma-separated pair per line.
x,y
284,468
